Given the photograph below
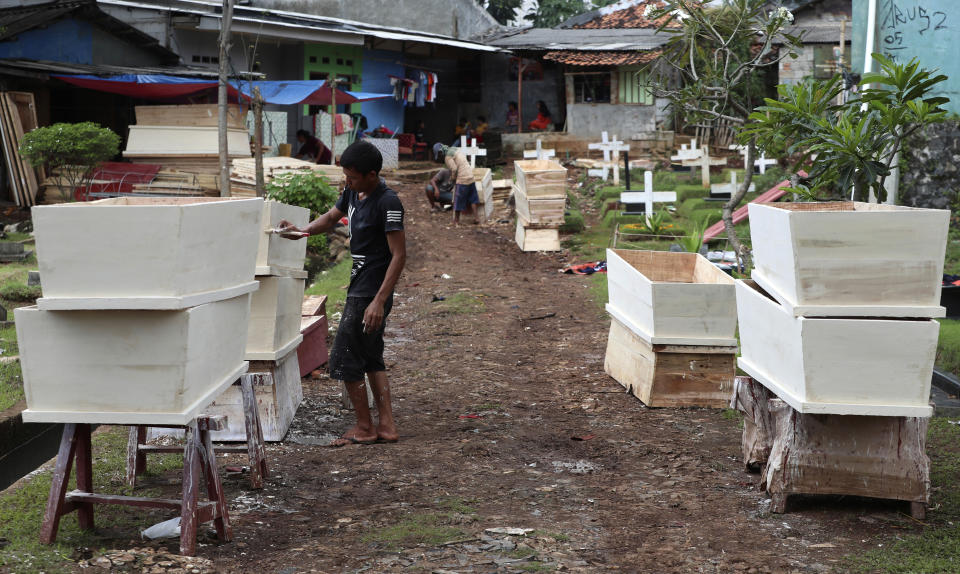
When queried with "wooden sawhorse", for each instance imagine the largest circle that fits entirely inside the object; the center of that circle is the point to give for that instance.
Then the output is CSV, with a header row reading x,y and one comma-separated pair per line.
x,y
199,458
137,450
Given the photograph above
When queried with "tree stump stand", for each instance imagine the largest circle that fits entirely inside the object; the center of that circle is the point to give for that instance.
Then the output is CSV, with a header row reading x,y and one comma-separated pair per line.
x,y
869,456
750,398
199,457
137,449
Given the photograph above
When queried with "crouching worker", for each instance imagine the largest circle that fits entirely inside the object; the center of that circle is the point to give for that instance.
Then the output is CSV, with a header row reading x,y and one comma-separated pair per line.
x,y
440,190
377,243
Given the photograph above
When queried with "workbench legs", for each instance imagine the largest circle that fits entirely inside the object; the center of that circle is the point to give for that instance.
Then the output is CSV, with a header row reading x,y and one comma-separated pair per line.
x,y
137,450
199,460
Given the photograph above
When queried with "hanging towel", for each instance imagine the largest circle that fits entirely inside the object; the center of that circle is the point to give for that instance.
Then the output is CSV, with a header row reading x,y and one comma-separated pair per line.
x,y
422,90
338,124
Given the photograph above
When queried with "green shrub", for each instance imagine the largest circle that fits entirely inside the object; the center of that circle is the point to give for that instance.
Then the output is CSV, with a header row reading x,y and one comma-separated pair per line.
x,y
310,190
72,149
572,222
20,292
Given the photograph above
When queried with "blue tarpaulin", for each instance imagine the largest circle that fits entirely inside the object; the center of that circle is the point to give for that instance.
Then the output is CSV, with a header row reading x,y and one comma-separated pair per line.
x,y
157,86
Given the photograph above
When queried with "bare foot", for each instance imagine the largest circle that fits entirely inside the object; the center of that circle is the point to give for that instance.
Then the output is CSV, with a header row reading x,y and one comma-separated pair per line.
x,y
354,436
387,433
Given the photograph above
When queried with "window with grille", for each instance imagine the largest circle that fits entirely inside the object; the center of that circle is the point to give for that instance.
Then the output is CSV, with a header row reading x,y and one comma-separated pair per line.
x,y
592,88
633,87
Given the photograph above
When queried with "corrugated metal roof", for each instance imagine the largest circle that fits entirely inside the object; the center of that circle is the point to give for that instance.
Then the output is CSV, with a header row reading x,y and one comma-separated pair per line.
x,y
44,68
820,32
583,39
288,20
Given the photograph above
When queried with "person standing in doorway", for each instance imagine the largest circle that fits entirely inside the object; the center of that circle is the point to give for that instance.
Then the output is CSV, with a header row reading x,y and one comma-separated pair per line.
x,y
465,196
378,246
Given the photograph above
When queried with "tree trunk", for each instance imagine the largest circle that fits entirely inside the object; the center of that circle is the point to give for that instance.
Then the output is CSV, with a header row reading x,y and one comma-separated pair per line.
x,y
730,206
222,107
258,140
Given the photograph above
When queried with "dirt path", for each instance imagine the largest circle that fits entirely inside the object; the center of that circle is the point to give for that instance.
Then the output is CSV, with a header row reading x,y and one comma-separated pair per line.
x,y
655,490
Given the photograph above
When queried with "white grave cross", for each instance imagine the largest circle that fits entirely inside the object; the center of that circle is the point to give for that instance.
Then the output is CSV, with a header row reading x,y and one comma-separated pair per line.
x,y
611,157
539,153
728,188
472,150
647,197
687,152
704,161
761,163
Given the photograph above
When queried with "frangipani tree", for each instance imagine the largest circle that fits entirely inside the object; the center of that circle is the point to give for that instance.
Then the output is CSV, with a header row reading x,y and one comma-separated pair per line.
x,y
710,68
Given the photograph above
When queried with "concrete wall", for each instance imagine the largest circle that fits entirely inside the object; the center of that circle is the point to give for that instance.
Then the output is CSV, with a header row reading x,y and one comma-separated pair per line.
x,y
792,71
624,120
499,89
462,19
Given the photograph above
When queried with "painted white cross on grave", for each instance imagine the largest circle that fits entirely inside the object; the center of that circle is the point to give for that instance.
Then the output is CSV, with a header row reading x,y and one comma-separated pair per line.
x,y
611,157
761,163
685,152
472,150
727,189
647,197
539,153
704,161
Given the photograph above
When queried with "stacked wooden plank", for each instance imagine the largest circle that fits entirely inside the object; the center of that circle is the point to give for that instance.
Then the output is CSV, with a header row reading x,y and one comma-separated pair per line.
x,y
483,177
18,115
185,139
672,335
838,321
243,172
540,193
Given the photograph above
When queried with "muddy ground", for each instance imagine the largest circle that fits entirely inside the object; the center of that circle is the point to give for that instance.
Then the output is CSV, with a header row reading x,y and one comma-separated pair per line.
x,y
492,410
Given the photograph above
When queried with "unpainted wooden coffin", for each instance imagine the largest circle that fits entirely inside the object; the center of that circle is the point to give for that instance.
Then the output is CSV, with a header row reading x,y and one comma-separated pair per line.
x,y
672,298
670,375
536,238
848,366
130,367
850,259
277,255
541,178
146,252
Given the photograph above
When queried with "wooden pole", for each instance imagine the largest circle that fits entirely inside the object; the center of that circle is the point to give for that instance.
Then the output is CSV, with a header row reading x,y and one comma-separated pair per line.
x,y
333,121
258,139
520,96
222,97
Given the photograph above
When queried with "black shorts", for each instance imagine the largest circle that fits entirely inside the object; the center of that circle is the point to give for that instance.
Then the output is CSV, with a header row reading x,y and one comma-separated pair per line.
x,y
355,352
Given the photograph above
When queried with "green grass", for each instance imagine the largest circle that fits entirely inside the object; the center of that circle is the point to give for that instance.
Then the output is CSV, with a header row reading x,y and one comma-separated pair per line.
x,y
948,348
429,528
333,283
457,505
11,384
535,567
598,290
572,222
558,536
937,547
462,304
21,510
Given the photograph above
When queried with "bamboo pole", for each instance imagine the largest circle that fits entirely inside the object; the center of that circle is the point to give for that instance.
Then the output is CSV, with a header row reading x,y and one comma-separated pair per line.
x,y
258,139
222,106
520,96
333,121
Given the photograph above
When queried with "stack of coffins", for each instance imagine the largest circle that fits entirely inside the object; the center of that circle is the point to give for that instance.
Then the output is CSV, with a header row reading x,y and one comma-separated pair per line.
x,y
540,192
838,321
673,330
243,176
144,310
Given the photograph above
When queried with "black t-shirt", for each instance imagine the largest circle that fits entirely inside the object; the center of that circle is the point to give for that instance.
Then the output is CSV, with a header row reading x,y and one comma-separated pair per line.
x,y
369,221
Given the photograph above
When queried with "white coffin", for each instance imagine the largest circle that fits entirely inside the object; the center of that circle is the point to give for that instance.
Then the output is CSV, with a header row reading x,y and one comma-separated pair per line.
x,y
274,328
129,367
672,298
146,252
276,255
484,178
847,259
181,141
837,366
277,402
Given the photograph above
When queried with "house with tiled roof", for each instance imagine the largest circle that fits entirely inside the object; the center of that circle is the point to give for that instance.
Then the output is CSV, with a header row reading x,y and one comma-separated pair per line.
x,y
602,55
826,29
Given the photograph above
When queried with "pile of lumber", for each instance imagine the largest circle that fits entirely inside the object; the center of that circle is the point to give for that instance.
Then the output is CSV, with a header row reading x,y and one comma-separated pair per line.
x,y
184,139
243,178
18,115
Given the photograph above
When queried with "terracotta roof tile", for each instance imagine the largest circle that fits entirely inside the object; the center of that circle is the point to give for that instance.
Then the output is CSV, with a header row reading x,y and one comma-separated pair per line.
x,y
573,58
630,17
